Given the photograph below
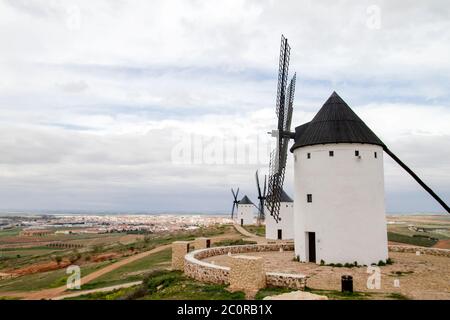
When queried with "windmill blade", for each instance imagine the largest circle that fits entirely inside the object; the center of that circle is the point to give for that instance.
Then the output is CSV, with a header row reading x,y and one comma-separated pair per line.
x,y
427,188
265,186
287,123
276,178
257,184
283,70
284,107
232,210
234,195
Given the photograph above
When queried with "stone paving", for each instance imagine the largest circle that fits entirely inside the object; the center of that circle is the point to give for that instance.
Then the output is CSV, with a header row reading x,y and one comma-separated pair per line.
x,y
415,276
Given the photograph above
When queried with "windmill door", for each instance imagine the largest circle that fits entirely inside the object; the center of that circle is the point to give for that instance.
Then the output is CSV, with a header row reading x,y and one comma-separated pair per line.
x,y
312,246
242,222
280,234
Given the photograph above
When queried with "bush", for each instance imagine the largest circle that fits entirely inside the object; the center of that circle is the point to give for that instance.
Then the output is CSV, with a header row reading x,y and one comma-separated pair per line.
x,y
139,292
160,278
58,259
381,263
348,265
322,263
389,261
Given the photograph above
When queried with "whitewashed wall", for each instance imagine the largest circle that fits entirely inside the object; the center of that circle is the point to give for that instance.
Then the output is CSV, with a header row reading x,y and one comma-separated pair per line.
x,y
347,212
246,212
286,224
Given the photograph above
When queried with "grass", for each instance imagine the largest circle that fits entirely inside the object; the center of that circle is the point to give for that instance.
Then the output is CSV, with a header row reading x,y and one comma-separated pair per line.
x,y
57,278
13,260
400,273
233,243
397,296
168,285
417,241
10,232
44,280
258,230
133,271
9,298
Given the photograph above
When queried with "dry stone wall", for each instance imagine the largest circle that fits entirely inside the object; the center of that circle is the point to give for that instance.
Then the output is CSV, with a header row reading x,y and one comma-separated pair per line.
x,y
246,273
203,271
179,250
422,250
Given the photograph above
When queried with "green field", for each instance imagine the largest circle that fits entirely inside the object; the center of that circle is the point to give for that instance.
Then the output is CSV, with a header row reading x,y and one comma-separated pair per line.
x,y
133,271
9,232
258,230
168,285
417,241
45,280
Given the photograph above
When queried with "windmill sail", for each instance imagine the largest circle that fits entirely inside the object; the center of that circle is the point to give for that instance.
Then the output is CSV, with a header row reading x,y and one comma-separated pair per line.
x,y
284,107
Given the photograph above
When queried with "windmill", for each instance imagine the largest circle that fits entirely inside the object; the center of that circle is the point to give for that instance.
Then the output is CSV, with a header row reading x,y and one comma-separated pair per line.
x,y
235,201
261,197
338,179
284,107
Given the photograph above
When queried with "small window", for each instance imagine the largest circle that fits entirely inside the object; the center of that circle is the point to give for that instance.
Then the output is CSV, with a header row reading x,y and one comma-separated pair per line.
x,y
308,155
356,153
309,197
375,154
287,206
331,153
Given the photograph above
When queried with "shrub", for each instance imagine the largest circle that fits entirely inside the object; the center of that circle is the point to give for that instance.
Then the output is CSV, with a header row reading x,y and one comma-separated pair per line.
x,y
389,261
322,263
58,259
381,263
348,265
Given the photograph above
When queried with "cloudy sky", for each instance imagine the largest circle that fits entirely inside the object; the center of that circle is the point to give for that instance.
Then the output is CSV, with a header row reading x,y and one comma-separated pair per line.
x,y
122,105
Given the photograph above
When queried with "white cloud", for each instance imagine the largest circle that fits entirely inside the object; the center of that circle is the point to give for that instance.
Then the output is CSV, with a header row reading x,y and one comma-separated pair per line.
x,y
94,96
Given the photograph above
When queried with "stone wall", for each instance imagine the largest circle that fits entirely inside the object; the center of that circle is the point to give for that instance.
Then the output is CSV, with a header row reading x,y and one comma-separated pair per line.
x,y
211,273
179,250
246,273
202,243
286,280
422,250
203,271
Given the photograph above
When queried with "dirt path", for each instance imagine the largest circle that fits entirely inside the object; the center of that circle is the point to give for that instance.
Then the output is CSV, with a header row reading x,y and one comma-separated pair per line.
x,y
51,293
244,232
56,292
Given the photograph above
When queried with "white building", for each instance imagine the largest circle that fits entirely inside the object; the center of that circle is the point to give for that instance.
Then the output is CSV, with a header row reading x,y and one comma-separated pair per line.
x,y
284,229
245,211
339,212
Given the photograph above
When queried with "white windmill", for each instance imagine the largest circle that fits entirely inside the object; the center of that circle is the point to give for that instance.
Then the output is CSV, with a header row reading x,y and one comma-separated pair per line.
x,y
245,214
339,213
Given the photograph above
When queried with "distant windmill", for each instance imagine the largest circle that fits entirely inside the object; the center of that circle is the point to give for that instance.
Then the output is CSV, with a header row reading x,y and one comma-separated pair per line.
x,y
235,201
261,197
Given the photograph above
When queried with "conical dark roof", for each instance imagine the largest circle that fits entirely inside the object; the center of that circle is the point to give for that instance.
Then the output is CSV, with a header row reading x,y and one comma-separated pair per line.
x,y
334,123
245,200
284,197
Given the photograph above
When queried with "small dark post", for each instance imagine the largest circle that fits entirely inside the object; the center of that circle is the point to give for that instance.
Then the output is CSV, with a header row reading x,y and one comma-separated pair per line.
x,y
347,284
